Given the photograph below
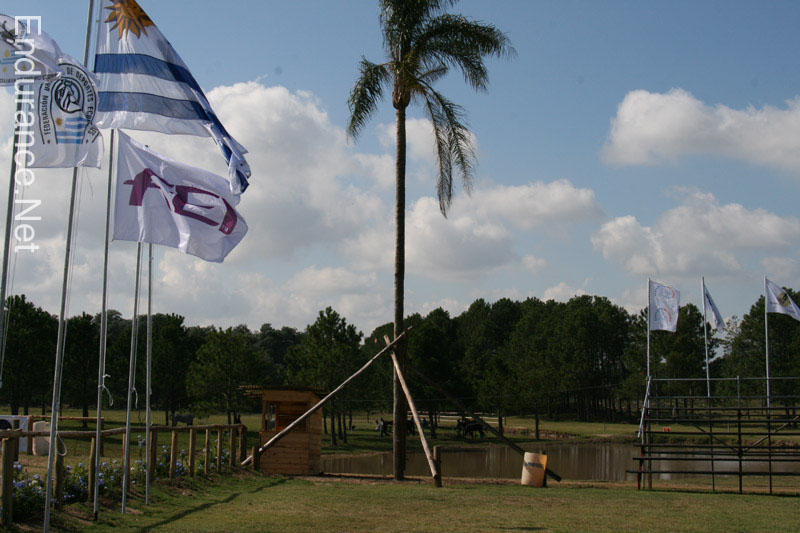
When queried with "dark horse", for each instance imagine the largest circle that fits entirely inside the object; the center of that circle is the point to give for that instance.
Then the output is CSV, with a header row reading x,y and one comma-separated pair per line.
x,y
187,419
468,428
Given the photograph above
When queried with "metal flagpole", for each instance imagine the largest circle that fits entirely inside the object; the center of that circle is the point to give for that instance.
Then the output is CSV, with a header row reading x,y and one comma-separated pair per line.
x,y
705,334
101,363
62,321
648,328
149,371
131,381
7,245
766,333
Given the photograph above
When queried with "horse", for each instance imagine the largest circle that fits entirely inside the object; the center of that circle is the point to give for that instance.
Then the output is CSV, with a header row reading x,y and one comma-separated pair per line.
x,y
187,419
468,428
383,426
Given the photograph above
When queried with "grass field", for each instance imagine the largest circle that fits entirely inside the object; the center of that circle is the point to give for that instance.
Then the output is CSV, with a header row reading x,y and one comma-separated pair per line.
x,y
253,503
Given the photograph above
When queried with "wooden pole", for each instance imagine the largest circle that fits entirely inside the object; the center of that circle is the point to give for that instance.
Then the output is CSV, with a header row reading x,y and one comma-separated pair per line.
x,y
232,445
207,453
219,450
437,458
414,414
30,439
173,455
92,467
478,419
7,478
274,440
242,442
192,446
256,454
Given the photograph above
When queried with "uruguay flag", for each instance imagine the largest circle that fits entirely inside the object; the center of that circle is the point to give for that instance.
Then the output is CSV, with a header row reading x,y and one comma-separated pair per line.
x,y
144,85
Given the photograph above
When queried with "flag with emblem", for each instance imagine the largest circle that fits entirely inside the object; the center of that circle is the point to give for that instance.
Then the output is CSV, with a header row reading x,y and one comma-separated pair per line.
x,y
64,134
25,52
664,303
162,201
779,301
144,85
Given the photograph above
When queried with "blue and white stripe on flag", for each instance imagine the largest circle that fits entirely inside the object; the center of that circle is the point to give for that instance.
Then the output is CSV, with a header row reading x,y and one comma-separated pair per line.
x,y
144,85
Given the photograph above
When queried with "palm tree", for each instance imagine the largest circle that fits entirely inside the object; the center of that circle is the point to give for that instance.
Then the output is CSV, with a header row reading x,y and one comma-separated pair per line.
x,y
422,43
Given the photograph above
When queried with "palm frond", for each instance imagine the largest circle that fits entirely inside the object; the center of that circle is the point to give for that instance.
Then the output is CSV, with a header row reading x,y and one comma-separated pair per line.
x,y
453,145
365,95
457,41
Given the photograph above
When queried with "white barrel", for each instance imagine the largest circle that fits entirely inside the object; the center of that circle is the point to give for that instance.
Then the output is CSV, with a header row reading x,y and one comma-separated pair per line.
x,y
41,445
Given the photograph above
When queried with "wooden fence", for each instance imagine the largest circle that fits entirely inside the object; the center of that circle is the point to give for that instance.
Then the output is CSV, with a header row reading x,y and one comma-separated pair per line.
x,y
237,439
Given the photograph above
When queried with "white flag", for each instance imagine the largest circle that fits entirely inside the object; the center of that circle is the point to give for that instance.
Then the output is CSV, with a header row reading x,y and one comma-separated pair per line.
x,y
26,53
664,303
710,305
779,301
161,201
64,134
144,85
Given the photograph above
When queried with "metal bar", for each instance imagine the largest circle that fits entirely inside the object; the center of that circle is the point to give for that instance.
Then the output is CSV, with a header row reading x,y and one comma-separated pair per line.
x,y
131,381
149,366
101,360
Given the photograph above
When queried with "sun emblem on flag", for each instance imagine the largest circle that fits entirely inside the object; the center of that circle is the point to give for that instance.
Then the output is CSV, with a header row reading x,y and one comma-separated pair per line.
x,y
128,17
783,299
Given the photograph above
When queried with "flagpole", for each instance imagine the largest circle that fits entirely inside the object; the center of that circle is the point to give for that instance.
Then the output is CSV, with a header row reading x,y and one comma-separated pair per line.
x,y
101,363
648,328
7,245
705,334
62,322
131,381
766,333
149,371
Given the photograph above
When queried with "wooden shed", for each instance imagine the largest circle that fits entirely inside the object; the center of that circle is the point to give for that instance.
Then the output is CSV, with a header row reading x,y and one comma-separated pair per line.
x,y
298,453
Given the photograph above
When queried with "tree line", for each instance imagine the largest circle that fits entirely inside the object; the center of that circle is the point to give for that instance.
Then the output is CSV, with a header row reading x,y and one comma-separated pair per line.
x,y
584,359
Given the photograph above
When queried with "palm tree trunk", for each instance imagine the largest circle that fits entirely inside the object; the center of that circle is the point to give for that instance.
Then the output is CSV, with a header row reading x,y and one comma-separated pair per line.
x,y
399,435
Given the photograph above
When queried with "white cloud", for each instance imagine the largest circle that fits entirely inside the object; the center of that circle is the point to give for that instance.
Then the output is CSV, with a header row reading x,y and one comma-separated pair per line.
x,y
480,232
650,128
698,236
534,264
562,292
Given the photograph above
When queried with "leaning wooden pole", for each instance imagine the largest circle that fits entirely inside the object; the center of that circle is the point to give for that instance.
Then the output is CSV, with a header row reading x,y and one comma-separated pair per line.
x,y
437,479
274,440
464,409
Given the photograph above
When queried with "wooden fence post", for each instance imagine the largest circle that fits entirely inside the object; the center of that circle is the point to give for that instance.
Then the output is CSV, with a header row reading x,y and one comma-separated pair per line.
x,y
219,450
232,445
173,454
59,490
152,453
100,448
192,446
7,481
437,459
92,456
242,443
207,453
30,439
256,458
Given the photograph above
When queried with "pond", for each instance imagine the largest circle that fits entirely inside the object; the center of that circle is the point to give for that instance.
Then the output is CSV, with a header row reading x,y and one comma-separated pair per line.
x,y
577,461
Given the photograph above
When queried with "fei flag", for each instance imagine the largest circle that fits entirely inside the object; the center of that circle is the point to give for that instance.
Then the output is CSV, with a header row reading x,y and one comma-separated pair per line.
x,y
161,201
710,305
144,85
664,302
64,135
779,301
26,53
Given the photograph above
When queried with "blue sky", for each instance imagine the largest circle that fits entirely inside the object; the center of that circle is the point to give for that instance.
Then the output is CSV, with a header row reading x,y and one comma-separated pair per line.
x,y
626,140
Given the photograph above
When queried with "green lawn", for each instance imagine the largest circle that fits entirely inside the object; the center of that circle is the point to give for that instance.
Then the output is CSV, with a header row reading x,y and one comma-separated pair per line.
x,y
251,503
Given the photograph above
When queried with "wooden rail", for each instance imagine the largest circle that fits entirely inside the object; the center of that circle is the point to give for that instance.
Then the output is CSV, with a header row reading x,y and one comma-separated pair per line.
x,y
10,441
